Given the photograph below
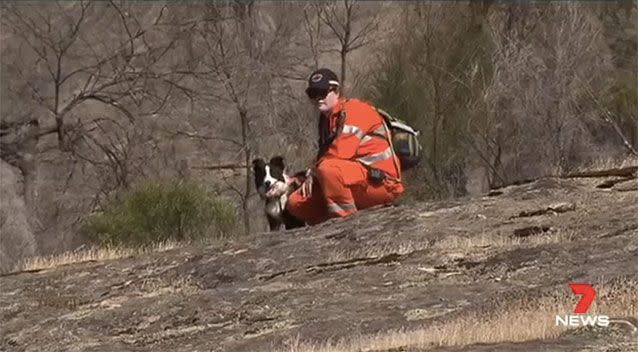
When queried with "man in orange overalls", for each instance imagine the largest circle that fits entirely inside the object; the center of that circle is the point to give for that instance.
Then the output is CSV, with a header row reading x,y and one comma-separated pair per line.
x,y
356,167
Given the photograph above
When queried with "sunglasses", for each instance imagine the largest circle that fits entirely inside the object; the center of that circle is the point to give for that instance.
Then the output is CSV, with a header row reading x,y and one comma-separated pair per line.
x,y
317,93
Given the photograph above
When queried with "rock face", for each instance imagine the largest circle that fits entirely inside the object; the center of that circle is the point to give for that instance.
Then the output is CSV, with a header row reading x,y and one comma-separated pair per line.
x,y
16,237
407,266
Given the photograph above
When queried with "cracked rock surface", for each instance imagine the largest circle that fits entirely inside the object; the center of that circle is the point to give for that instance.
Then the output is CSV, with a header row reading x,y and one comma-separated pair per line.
x,y
382,269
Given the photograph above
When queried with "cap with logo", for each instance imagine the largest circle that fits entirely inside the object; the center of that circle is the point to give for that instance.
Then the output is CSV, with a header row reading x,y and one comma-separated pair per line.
x,y
322,79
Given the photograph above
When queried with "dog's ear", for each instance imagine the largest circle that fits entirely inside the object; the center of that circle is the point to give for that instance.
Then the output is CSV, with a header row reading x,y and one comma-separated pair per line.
x,y
258,163
278,161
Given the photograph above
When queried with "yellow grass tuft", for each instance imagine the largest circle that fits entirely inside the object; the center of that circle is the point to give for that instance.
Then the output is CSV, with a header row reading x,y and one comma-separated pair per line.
x,y
176,285
375,251
92,254
535,320
497,241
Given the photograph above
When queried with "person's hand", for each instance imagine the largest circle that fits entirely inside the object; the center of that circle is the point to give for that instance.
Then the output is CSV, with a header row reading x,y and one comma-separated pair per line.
x,y
306,186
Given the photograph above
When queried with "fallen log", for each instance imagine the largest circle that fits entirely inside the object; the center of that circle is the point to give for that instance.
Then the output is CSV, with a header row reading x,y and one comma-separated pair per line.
x,y
629,171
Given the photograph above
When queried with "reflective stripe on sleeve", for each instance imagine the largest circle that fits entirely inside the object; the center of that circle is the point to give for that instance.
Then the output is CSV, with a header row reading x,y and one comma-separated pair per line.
x,y
338,208
379,132
373,158
354,130
365,139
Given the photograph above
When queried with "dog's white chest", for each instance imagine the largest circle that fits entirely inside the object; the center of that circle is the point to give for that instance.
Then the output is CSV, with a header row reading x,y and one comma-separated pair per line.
x,y
275,207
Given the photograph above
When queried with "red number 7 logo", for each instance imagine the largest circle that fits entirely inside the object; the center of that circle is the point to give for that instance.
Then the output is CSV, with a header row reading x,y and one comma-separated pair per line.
x,y
588,292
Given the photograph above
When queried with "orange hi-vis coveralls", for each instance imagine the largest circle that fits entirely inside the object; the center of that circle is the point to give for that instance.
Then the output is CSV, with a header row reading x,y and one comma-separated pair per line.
x,y
352,139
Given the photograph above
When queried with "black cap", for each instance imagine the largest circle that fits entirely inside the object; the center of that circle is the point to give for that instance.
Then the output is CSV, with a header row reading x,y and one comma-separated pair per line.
x,y
322,78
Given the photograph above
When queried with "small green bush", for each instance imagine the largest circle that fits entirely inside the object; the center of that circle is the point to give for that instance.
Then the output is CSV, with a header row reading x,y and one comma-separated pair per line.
x,y
161,211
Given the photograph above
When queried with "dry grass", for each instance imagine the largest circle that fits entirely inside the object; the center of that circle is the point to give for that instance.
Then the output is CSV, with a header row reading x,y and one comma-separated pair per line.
x,y
92,254
535,320
595,165
454,243
376,251
169,286
492,240
607,164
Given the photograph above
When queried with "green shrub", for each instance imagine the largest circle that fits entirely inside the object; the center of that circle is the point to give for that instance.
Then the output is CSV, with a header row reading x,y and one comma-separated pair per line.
x,y
160,211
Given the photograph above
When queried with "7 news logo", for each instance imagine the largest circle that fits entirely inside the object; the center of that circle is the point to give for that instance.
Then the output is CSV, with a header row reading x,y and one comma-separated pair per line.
x,y
581,318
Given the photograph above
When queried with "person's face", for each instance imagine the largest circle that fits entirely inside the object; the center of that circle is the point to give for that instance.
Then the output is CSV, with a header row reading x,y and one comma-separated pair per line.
x,y
324,99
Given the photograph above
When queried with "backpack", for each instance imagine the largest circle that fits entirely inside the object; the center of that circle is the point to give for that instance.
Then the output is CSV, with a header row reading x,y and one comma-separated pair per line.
x,y
404,140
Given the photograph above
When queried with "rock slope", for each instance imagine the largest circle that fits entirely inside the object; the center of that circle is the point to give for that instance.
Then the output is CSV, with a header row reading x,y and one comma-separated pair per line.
x,y
400,267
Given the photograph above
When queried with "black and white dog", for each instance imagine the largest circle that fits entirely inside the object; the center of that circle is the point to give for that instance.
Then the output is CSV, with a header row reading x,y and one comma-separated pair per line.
x,y
274,186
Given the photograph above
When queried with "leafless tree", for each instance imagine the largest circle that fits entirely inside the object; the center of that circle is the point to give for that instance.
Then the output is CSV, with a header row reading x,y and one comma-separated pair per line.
x,y
83,78
74,64
541,58
352,27
247,58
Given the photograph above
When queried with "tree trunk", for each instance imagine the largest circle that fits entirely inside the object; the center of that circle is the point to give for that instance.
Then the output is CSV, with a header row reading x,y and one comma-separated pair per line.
x,y
345,45
435,134
243,114
630,149
344,54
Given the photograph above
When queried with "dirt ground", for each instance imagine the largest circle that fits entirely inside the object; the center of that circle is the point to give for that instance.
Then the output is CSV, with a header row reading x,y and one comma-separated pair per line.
x,y
399,268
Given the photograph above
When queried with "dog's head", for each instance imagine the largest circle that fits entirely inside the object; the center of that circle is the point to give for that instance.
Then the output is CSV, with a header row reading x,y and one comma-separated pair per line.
x,y
270,178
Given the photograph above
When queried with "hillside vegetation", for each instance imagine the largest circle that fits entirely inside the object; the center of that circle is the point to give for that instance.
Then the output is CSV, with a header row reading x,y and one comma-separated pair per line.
x,y
100,97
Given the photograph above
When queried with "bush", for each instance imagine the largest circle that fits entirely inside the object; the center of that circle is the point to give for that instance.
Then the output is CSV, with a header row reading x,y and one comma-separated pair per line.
x,y
157,212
